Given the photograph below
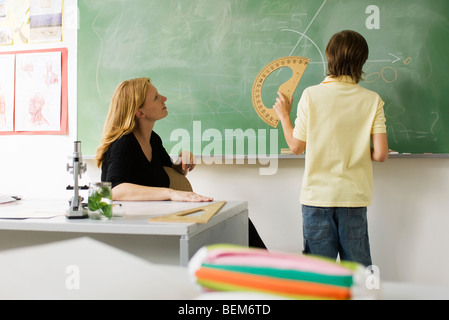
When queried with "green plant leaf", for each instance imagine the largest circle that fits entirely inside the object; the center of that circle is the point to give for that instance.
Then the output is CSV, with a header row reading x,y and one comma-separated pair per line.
x,y
106,209
106,192
93,204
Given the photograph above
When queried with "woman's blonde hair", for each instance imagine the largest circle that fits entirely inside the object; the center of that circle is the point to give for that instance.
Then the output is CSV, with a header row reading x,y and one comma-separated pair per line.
x,y
128,97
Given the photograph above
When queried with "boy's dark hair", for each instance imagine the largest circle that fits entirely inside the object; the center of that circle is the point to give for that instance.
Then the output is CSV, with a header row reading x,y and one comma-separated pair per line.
x,y
347,52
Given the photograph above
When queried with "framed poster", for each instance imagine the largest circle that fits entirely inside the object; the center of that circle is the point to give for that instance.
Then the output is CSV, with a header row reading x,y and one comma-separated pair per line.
x,y
33,97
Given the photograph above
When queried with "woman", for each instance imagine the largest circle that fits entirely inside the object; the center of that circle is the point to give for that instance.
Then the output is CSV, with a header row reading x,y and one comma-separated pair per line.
x,y
131,155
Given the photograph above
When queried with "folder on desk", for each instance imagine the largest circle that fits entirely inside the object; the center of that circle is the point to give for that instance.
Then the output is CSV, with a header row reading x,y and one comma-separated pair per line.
x,y
189,215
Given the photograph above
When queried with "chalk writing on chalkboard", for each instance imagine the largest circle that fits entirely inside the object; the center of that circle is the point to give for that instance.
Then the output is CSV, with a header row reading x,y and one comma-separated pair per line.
x,y
205,54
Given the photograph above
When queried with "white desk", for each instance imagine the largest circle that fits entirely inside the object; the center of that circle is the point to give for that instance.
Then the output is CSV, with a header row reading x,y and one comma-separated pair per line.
x,y
87,269
158,242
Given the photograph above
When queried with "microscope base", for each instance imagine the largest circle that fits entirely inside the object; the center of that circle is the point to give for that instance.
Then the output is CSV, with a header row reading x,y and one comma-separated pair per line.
x,y
77,214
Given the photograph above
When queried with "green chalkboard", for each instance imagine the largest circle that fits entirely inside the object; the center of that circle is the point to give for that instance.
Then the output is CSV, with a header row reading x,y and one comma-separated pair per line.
x,y
205,54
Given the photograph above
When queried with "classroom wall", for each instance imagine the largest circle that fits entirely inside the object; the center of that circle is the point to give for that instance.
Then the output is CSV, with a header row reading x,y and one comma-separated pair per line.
x,y
36,164
408,219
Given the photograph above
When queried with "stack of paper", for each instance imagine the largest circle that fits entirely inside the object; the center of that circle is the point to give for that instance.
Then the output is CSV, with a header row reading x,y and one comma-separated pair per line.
x,y
234,268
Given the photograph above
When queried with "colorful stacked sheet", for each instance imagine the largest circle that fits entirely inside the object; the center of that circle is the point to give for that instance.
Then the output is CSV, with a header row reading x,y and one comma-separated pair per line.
x,y
235,268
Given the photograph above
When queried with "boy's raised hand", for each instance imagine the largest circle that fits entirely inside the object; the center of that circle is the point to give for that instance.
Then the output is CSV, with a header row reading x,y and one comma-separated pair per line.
x,y
283,106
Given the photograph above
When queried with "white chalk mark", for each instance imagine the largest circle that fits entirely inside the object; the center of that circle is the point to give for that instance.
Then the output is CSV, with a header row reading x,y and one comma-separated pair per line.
x,y
304,36
430,63
378,61
99,58
397,58
435,122
305,31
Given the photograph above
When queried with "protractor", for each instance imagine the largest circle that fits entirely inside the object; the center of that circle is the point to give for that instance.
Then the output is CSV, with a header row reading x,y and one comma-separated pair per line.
x,y
298,66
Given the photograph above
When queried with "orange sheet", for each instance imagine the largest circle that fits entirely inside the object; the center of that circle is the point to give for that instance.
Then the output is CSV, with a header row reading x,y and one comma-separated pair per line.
x,y
274,285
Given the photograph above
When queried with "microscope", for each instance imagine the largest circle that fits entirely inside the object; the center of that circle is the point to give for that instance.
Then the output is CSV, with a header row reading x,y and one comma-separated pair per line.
x,y
77,210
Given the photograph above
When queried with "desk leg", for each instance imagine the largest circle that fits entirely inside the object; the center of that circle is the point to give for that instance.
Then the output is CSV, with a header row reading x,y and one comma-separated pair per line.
x,y
232,231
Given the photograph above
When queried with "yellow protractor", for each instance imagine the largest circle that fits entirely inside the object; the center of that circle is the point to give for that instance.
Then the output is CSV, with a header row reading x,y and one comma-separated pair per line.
x,y
298,66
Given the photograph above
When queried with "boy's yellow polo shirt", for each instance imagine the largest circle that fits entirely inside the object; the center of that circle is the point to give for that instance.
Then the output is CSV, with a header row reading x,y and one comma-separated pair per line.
x,y
336,119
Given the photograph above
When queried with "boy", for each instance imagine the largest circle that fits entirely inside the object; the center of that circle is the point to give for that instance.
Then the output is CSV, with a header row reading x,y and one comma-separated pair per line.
x,y
337,120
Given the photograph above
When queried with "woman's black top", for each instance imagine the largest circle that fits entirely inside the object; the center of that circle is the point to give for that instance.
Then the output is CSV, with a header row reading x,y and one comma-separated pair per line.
x,y
126,162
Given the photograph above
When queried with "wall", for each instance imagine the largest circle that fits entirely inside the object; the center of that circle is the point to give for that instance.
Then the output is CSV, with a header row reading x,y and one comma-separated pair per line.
x,y
37,164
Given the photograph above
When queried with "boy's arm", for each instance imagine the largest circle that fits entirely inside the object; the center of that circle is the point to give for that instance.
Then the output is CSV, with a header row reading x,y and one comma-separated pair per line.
x,y
283,107
379,151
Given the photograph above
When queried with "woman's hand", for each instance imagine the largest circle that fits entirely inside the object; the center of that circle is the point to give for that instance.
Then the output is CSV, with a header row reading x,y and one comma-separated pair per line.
x,y
188,196
185,163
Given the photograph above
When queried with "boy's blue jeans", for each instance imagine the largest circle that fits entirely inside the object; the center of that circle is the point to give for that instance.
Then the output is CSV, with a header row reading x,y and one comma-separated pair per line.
x,y
329,231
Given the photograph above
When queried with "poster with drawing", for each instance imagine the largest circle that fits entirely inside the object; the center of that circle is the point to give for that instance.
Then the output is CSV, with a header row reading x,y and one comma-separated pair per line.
x,y
5,31
38,92
14,25
45,20
7,92
3,11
